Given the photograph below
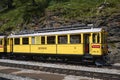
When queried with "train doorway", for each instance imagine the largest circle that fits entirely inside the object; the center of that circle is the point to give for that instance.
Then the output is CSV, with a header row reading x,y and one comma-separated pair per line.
x,y
5,45
86,43
11,45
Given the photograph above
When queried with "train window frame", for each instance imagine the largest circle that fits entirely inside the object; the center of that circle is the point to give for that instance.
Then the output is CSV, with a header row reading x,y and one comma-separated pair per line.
x,y
73,39
60,41
27,40
42,39
16,41
51,39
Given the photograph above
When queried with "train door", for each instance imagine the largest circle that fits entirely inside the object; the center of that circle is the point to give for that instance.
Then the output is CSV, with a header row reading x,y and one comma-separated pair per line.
x,y
86,43
5,44
11,45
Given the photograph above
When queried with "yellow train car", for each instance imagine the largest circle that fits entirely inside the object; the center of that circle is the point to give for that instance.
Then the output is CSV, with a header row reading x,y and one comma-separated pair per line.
x,y
85,44
2,44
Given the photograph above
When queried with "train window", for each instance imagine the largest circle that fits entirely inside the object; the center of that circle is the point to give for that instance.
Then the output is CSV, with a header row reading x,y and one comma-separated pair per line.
x,y
51,40
62,39
25,40
75,39
0,41
17,41
37,40
33,40
96,38
43,40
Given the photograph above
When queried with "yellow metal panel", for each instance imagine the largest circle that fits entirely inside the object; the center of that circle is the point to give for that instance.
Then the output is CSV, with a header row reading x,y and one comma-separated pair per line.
x,y
1,48
21,48
8,48
30,40
76,49
68,38
81,38
56,39
46,49
91,37
90,43
45,39
20,40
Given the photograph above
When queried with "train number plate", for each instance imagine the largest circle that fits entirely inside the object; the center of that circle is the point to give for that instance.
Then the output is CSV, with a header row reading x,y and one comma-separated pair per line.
x,y
95,46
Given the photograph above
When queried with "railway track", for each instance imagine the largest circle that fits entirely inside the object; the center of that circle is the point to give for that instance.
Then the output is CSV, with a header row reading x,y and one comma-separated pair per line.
x,y
73,63
64,70
112,66
80,64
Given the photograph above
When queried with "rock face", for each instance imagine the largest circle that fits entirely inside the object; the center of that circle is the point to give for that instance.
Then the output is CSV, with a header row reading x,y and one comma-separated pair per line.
x,y
112,25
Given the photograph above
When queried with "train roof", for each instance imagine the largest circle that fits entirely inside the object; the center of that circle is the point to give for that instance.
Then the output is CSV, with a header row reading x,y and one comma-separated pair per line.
x,y
2,36
59,32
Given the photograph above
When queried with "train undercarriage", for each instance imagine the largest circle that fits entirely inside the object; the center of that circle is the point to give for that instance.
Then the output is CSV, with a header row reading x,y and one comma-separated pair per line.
x,y
85,59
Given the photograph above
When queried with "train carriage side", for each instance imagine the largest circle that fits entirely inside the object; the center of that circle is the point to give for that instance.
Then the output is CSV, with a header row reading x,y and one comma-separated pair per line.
x,y
87,43
29,46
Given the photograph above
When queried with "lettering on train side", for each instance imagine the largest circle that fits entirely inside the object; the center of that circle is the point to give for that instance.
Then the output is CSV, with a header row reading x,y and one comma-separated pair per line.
x,y
42,48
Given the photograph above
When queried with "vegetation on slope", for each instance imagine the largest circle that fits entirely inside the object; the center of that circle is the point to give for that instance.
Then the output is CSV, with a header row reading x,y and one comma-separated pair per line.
x,y
19,13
